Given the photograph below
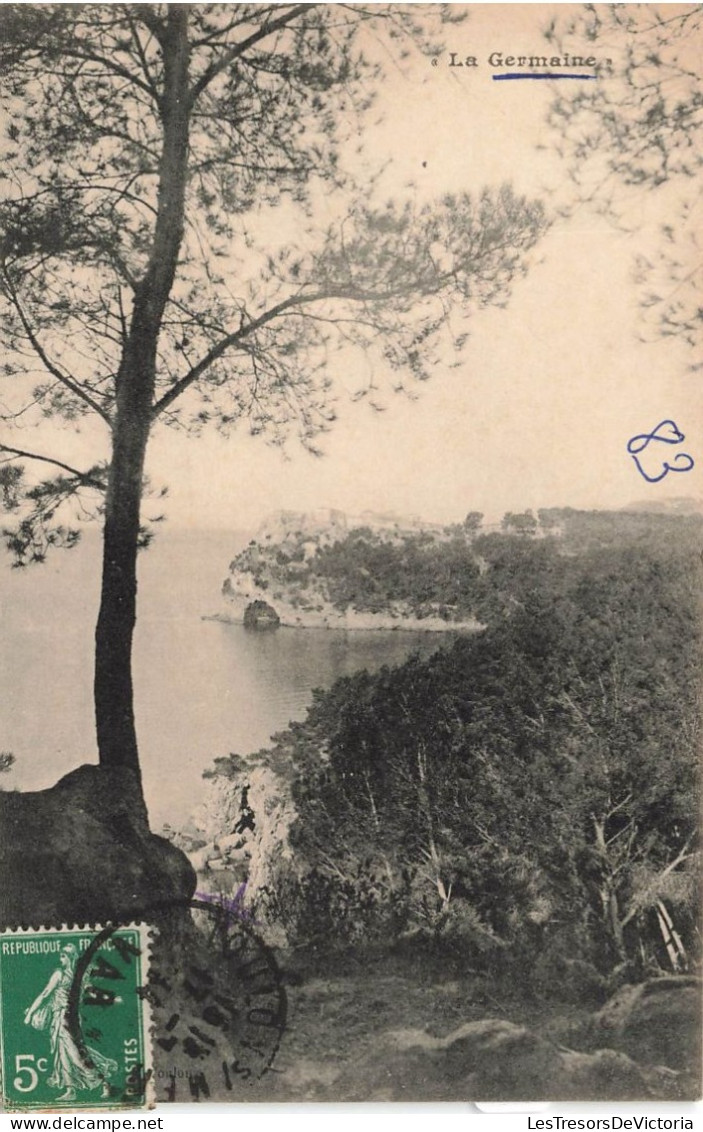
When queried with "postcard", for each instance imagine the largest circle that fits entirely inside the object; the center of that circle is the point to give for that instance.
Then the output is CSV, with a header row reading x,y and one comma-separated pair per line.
x,y
352,525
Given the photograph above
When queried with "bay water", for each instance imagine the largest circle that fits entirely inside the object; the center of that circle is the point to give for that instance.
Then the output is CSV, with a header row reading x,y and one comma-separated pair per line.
x,y
203,689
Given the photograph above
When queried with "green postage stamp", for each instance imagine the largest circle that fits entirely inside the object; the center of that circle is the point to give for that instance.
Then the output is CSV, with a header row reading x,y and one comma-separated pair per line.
x,y
74,1018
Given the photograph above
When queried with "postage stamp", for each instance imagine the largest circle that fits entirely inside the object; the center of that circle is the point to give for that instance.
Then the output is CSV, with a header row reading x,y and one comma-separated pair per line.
x,y
75,1019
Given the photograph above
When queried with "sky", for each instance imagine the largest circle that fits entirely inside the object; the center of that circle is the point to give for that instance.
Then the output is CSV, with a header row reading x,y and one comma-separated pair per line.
x,y
548,391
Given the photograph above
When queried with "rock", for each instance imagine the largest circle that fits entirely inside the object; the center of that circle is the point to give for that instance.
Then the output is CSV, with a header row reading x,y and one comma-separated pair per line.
x,y
217,863
657,1022
182,839
230,843
82,852
605,1075
491,1060
261,615
200,857
262,795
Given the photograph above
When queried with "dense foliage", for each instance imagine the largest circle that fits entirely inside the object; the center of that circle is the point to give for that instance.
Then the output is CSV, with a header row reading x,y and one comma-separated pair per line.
x,y
529,790
457,572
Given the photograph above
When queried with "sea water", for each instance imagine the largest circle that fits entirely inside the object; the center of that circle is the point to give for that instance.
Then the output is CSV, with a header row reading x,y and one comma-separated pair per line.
x,y
203,689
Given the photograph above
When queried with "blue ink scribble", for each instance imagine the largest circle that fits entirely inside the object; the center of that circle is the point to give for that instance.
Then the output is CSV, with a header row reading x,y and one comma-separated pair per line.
x,y
666,432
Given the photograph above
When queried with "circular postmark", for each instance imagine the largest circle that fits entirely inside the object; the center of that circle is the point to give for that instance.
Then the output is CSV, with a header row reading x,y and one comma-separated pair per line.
x,y
215,994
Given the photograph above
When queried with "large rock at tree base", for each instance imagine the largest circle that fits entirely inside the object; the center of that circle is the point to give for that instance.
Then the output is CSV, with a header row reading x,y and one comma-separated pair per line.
x,y
491,1060
657,1022
82,852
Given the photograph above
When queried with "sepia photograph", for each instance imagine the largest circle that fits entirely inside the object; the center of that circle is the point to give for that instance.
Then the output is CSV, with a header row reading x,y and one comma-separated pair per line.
x,y
351,517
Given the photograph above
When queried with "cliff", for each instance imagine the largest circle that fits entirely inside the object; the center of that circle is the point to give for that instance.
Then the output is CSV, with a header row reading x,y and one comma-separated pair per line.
x,y
324,569
245,821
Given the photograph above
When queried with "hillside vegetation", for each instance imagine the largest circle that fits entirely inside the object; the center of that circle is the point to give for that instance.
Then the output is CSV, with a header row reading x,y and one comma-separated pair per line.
x,y
527,798
324,569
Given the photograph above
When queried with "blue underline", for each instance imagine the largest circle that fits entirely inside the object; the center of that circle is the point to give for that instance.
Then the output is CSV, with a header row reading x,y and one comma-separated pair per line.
x,y
548,75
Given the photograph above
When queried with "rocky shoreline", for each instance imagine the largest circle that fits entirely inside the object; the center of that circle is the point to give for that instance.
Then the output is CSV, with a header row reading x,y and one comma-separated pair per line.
x,y
355,621
285,577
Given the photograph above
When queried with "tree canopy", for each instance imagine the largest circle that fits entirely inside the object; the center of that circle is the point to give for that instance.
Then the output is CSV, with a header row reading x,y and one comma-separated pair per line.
x,y
102,217
639,130
150,150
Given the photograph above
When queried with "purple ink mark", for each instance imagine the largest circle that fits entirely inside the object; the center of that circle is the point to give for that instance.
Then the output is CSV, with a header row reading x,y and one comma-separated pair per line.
x,y
233,906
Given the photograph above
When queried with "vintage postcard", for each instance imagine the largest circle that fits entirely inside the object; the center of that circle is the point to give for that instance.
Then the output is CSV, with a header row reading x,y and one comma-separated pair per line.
x,y
351,504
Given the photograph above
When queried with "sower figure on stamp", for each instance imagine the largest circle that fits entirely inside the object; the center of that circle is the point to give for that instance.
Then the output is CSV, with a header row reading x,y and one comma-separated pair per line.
x,y
48,1011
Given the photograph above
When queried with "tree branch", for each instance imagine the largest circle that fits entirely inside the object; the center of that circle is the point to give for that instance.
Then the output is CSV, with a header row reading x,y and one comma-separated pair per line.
x,y
682,856
148,78
217,351
61,377
151,22
84,477
221,64
218,33
110,65
238,336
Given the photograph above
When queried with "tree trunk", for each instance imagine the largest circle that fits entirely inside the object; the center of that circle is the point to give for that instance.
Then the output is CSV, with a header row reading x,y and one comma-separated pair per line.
x,y
616,927
114,700
135,383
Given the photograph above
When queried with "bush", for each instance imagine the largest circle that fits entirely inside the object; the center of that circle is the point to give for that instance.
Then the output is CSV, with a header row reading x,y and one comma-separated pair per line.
x,y
358,906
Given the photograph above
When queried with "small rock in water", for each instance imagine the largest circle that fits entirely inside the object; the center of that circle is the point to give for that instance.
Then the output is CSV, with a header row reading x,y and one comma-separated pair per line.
x,y
261,615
